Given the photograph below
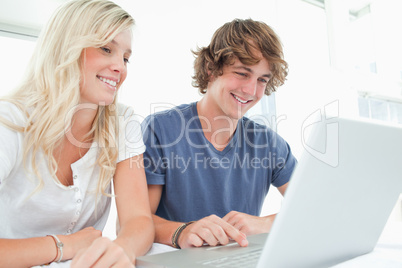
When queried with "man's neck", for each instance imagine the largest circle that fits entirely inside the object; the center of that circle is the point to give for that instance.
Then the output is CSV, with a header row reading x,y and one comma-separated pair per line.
x,y
217,127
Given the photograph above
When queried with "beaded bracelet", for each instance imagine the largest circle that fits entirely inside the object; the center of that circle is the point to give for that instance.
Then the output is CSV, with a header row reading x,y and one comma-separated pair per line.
x,y
177,233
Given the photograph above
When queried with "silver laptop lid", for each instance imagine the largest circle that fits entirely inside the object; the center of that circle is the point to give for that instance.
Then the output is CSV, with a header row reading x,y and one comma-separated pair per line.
x,y
340,195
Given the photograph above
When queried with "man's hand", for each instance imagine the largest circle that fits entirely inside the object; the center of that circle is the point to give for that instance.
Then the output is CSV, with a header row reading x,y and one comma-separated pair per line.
x,y
249,224
211,230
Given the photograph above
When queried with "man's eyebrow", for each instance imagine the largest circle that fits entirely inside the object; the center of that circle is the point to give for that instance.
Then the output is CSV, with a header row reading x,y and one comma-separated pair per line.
x,y
251,71
117,44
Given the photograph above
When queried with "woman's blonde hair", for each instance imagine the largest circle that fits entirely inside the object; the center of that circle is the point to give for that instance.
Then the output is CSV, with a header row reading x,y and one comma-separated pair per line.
x,y
50,89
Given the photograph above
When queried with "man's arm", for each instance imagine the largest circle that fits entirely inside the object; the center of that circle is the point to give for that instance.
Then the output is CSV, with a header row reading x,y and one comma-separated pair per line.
x,y
250,224
163,228
211,230
282,189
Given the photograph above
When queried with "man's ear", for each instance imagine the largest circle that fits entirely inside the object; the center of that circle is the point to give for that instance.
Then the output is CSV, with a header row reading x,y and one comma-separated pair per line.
x,y
211,76
208,70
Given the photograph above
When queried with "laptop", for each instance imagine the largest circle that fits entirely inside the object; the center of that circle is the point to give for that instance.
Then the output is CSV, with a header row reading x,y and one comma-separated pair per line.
x,y
337,203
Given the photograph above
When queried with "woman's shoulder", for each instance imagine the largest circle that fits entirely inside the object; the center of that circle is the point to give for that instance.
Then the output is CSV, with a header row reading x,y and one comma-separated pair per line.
x,y
13,111
10,105
124,110
127,117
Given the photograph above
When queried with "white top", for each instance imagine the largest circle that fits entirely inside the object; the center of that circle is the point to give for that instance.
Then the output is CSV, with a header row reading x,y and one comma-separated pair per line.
x,y
56,209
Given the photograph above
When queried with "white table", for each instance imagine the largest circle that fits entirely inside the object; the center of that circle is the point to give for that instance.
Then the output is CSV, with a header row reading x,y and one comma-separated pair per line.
x,y
387,253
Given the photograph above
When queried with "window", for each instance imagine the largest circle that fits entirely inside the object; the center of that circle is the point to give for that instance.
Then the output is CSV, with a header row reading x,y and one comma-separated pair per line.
x,y
264,112
380,109
361,47
14,55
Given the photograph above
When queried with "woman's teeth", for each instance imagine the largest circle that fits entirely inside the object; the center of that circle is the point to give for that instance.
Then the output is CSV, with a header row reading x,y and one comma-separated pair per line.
x,y
110,82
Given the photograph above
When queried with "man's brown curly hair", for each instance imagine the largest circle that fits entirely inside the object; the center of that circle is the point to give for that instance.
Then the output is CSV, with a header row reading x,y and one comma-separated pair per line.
x,y
238,39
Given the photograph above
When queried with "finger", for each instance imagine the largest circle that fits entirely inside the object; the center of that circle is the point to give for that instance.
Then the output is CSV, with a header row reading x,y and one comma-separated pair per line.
x,y
235,234
93,252
113,256
239,225
238,221
193,240
229,216
203,231
233,221
76,258
233,218
121,264
231,231
213,224
207,235
219,234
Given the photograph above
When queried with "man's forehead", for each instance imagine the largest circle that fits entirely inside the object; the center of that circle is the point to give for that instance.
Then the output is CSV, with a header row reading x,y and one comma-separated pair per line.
x,y
263,67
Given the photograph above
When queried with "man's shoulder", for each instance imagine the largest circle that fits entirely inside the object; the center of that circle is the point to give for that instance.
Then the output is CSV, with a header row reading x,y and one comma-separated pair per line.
x,y
251,125
262,134
258,132
169,116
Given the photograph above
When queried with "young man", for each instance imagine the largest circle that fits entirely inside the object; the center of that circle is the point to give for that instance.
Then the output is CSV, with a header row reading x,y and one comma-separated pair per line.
x,y
207,163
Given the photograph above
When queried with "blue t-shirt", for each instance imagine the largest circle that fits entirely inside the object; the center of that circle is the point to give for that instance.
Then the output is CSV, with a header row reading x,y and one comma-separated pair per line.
x,y
200,180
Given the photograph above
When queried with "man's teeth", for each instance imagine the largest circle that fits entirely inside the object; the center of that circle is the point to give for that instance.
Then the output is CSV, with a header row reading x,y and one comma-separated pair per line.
x,y
242,101
110,82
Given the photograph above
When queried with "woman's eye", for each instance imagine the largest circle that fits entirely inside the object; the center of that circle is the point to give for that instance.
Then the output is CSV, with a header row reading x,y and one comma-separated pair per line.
x,y
126,60
107,50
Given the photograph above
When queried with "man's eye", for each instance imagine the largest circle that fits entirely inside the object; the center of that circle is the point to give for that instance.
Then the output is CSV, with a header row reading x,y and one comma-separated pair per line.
x,y
263,80
241,74
107,50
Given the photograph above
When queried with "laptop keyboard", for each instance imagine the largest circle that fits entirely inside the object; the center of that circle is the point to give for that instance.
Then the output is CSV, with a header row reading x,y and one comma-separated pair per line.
x,y
243,260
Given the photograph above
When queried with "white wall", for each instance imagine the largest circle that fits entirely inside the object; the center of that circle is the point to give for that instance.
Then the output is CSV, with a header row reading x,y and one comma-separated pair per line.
x,y
164,35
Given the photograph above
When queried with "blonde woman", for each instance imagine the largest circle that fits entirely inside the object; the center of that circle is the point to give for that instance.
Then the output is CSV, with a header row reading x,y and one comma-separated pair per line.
x,y
63,138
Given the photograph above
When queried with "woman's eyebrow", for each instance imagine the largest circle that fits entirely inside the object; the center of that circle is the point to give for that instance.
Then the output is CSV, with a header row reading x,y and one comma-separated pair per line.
x,y
114,42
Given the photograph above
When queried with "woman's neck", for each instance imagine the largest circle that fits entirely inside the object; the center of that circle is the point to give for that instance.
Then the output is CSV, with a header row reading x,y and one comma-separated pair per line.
x,y
81,125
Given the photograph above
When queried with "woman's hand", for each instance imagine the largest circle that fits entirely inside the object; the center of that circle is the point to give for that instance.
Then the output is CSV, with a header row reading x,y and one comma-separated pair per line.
x,y
102,253
77,241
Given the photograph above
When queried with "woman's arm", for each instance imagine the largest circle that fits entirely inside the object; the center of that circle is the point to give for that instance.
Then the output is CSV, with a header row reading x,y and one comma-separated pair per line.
x,y
27,252
42,250
136,226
